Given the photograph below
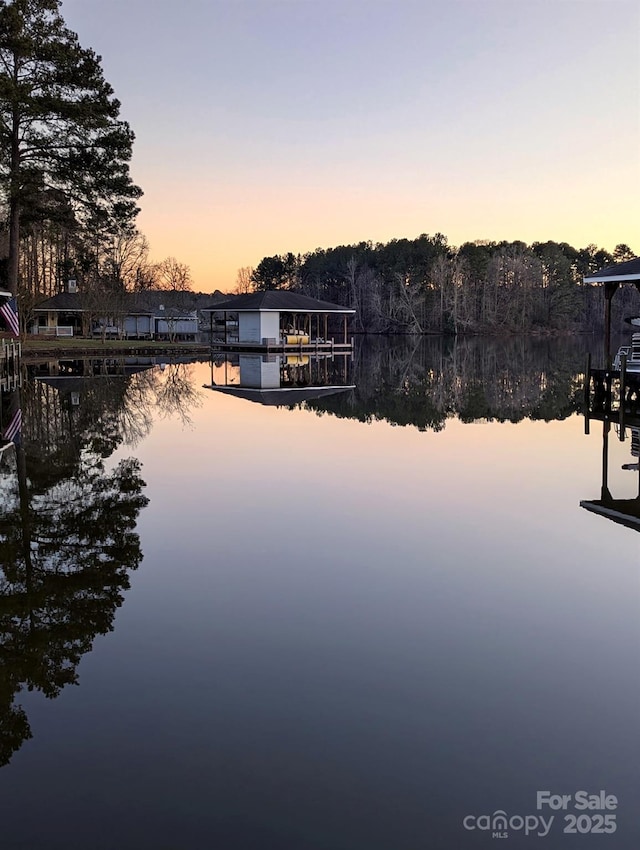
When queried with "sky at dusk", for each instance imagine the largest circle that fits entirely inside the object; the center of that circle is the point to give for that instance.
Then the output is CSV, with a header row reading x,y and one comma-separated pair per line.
x,y
268,126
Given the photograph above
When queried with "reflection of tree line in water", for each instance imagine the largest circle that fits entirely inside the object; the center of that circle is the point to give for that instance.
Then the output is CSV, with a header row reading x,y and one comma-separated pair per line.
x,y
67,524
426,381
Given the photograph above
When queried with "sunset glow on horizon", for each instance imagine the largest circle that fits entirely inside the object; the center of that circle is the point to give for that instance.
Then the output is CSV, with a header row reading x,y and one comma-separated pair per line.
x,y
268,126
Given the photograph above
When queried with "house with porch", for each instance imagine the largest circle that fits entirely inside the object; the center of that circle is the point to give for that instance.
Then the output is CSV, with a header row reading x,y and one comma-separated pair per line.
x,y
148,315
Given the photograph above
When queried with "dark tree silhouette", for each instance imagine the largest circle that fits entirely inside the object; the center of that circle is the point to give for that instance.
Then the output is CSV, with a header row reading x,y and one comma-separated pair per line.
x,y
67,544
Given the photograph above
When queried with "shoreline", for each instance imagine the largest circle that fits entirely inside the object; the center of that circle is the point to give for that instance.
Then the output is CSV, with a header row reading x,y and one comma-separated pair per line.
x,y
33,348
38,350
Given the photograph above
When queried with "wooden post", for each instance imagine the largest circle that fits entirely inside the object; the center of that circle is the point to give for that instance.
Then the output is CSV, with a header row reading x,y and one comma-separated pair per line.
x,y
608,382
604,491
623,388
345,327
609,292
587,394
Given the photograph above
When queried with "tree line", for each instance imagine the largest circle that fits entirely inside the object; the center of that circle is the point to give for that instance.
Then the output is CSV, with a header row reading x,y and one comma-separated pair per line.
x,y
68,204
425,285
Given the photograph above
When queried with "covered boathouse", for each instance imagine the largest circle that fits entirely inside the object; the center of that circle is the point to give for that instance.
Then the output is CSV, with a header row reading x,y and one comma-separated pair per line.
x,y
611,277
279,319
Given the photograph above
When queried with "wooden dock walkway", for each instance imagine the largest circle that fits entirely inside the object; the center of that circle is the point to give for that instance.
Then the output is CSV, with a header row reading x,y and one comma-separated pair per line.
x,y
330,347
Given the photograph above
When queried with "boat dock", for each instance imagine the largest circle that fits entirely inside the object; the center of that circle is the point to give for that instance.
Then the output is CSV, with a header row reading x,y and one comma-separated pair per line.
x,y
612,395
279,321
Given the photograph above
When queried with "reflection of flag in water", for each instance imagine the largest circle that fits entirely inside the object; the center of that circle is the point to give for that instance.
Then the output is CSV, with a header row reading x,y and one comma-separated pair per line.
x,y
12,431
9,311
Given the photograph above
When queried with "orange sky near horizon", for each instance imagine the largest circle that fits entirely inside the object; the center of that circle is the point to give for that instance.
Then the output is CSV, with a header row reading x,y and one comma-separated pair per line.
x,y
268,223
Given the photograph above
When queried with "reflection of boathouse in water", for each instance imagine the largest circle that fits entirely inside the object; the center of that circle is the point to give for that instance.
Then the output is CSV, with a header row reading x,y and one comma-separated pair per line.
x,y
280,379
279,320
625,511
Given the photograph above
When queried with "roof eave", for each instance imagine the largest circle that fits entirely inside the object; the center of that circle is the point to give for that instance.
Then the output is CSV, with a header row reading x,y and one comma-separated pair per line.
x,y
60,310
611,278
345,311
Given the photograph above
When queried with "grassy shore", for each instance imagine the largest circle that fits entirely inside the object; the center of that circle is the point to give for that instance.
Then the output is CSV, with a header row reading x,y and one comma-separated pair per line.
x,y
74,347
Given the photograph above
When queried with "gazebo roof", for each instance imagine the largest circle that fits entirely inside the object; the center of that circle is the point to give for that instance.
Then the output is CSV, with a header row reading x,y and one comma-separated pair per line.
x,y
626,272
63,301
276,301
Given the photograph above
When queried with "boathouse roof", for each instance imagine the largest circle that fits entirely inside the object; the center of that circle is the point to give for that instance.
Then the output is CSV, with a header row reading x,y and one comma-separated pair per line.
x,y
626,272
279,396
276,300
623,511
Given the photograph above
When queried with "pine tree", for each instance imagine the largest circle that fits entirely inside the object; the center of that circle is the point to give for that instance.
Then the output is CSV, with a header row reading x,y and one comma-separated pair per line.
x,y
59,124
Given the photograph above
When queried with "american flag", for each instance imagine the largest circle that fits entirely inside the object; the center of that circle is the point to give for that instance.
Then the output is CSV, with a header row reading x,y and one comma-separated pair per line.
x,y
9,311
12,430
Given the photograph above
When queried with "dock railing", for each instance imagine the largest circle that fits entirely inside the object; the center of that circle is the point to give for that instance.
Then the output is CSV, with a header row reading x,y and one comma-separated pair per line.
x,y
10,354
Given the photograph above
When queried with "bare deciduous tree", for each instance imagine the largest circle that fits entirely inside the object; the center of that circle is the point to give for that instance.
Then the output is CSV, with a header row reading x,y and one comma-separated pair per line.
x,y
172,276
244,282
126,256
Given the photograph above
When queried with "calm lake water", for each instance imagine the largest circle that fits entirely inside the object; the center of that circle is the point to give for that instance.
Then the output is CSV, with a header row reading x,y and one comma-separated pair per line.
x,y
336,605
